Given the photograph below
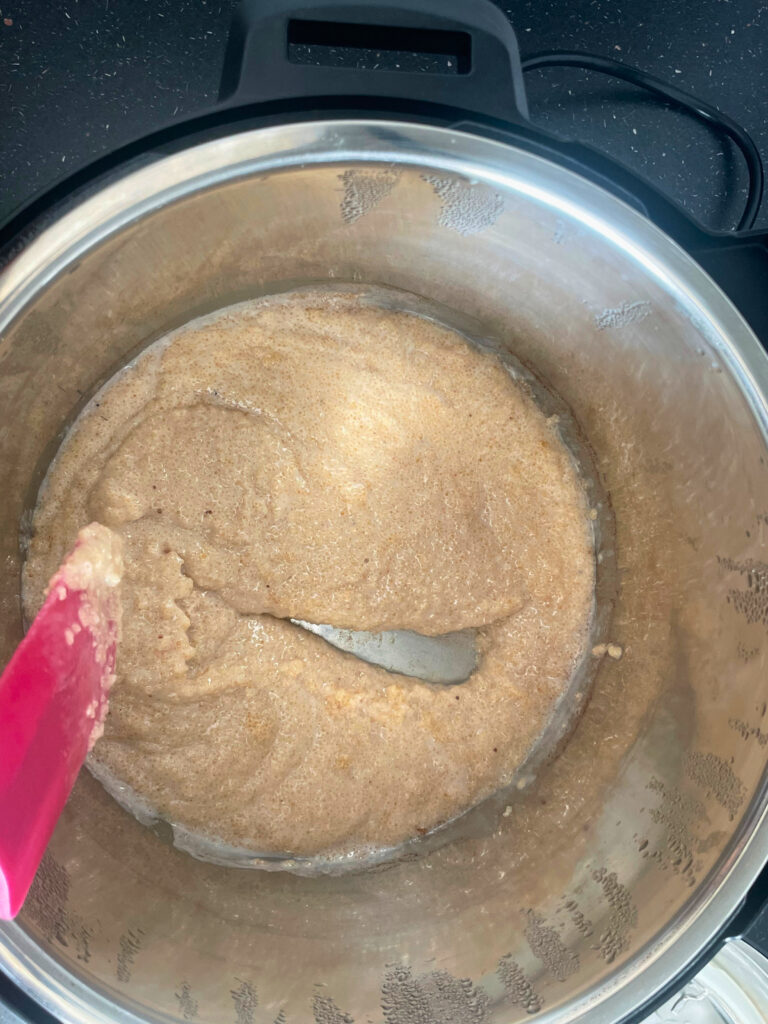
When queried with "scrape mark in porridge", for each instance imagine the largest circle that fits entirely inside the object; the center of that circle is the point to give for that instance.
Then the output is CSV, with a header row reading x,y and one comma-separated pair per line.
x,y
623,315
519,987
717,777
465,207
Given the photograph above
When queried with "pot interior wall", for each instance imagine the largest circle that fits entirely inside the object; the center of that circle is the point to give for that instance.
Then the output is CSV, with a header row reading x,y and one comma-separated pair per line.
x,y
532,909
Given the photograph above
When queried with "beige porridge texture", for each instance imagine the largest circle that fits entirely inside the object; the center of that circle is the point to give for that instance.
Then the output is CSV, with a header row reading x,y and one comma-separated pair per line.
x,y
319,457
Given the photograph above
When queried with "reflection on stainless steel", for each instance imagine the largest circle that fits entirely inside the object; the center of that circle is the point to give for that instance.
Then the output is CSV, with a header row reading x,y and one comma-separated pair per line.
x,y
589,888
448,659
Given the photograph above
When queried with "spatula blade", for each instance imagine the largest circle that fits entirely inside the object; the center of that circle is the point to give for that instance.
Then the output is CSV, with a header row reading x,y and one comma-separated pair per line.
x,y
53,700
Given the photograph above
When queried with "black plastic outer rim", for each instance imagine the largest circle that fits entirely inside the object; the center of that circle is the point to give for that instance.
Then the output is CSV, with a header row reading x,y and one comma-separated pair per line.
x,y
220,122
27,222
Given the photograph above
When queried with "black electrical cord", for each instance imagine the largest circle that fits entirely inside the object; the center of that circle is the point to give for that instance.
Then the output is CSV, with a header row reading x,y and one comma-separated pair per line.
x,y
711,115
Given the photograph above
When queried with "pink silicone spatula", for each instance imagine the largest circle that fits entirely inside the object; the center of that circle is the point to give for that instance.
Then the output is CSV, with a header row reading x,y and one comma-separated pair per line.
x,y
53,700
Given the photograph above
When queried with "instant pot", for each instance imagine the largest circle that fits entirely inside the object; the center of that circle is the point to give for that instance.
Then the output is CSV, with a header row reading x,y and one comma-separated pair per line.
x,y
638,850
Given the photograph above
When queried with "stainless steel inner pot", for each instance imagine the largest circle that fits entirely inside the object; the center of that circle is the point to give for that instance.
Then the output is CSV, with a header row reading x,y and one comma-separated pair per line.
x,y
599,883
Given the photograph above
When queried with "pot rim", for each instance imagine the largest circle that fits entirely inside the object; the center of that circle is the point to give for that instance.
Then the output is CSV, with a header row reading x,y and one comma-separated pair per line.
x,y
268,150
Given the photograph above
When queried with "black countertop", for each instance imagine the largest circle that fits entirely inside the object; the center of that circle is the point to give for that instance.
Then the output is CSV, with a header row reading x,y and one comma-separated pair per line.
x,y
79,78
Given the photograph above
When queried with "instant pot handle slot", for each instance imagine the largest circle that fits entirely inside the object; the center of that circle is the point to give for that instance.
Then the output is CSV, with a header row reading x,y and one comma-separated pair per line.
x,y
283,52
